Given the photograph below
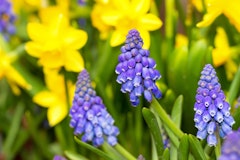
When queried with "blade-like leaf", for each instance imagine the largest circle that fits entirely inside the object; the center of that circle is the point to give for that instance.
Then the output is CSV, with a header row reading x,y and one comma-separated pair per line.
x,y
155,130
196,148
93,149
183,149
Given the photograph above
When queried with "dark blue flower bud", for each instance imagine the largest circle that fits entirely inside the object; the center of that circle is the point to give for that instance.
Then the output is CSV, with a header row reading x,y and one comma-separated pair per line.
x,y
89,116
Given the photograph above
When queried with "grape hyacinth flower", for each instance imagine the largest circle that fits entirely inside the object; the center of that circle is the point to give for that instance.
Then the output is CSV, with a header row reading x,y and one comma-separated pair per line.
x,y
89,116
58,157
7,19
231,147
212,115
136,70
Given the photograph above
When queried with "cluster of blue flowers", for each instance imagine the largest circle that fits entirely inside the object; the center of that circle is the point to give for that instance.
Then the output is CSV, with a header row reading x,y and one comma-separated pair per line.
x,y
7,19
136,70
89,116
212,111
230,148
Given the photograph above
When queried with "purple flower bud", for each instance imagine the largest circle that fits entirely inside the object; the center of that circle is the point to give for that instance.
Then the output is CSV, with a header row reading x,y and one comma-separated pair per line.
x,y
230,147
212,140
89,118
7,19
211,127
136,66
210,108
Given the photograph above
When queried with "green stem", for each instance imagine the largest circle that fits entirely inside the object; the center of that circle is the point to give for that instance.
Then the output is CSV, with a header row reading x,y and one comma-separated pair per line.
x,y
165,118
13,131
93,149
218,147
124,152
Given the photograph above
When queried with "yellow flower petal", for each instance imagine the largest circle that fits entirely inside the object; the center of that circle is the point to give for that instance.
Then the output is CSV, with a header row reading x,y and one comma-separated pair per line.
x,y
45,99
233,13
209,18
73,61
140,6
231,69
14,87
74,39
56,113
118,37
221,54
111,17
146,38
33,49
51,59
150,22
37,32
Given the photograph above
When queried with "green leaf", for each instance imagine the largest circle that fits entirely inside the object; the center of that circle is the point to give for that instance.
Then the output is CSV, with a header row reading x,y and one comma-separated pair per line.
x,y
183,149
166,154
177,111
196,148
165,118
74,156
93,149
234,88
155,130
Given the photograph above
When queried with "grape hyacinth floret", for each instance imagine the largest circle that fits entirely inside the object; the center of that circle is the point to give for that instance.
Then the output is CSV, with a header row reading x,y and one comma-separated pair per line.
x,y
89,116
136,70
7,19
212,115
231,147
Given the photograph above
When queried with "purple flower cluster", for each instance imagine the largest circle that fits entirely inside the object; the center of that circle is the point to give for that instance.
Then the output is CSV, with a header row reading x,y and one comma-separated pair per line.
x,y
89,116
7,19
136,70
212,111
231,147
58,157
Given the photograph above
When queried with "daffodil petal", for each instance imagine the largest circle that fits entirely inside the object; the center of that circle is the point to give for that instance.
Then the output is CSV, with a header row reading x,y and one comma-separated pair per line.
x,y
37,32
111,17
221,40
209,18
146,38
74,39
150,22
45,99
56,113
140,6
73,61
231,69
15,76
233,13
51,60
33,49
54,81
14,87
118,37
121,5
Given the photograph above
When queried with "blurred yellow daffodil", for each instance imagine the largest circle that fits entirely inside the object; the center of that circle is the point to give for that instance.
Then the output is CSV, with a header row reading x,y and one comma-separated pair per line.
x,y
223,54
13,77
125,15
181,40
217,7
55,42
55,98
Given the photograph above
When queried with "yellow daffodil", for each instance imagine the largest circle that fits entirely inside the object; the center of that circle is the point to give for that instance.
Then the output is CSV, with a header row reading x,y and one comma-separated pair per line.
x,y
222,54
13,77
125,15
217,7
181,40
55,42
55,98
